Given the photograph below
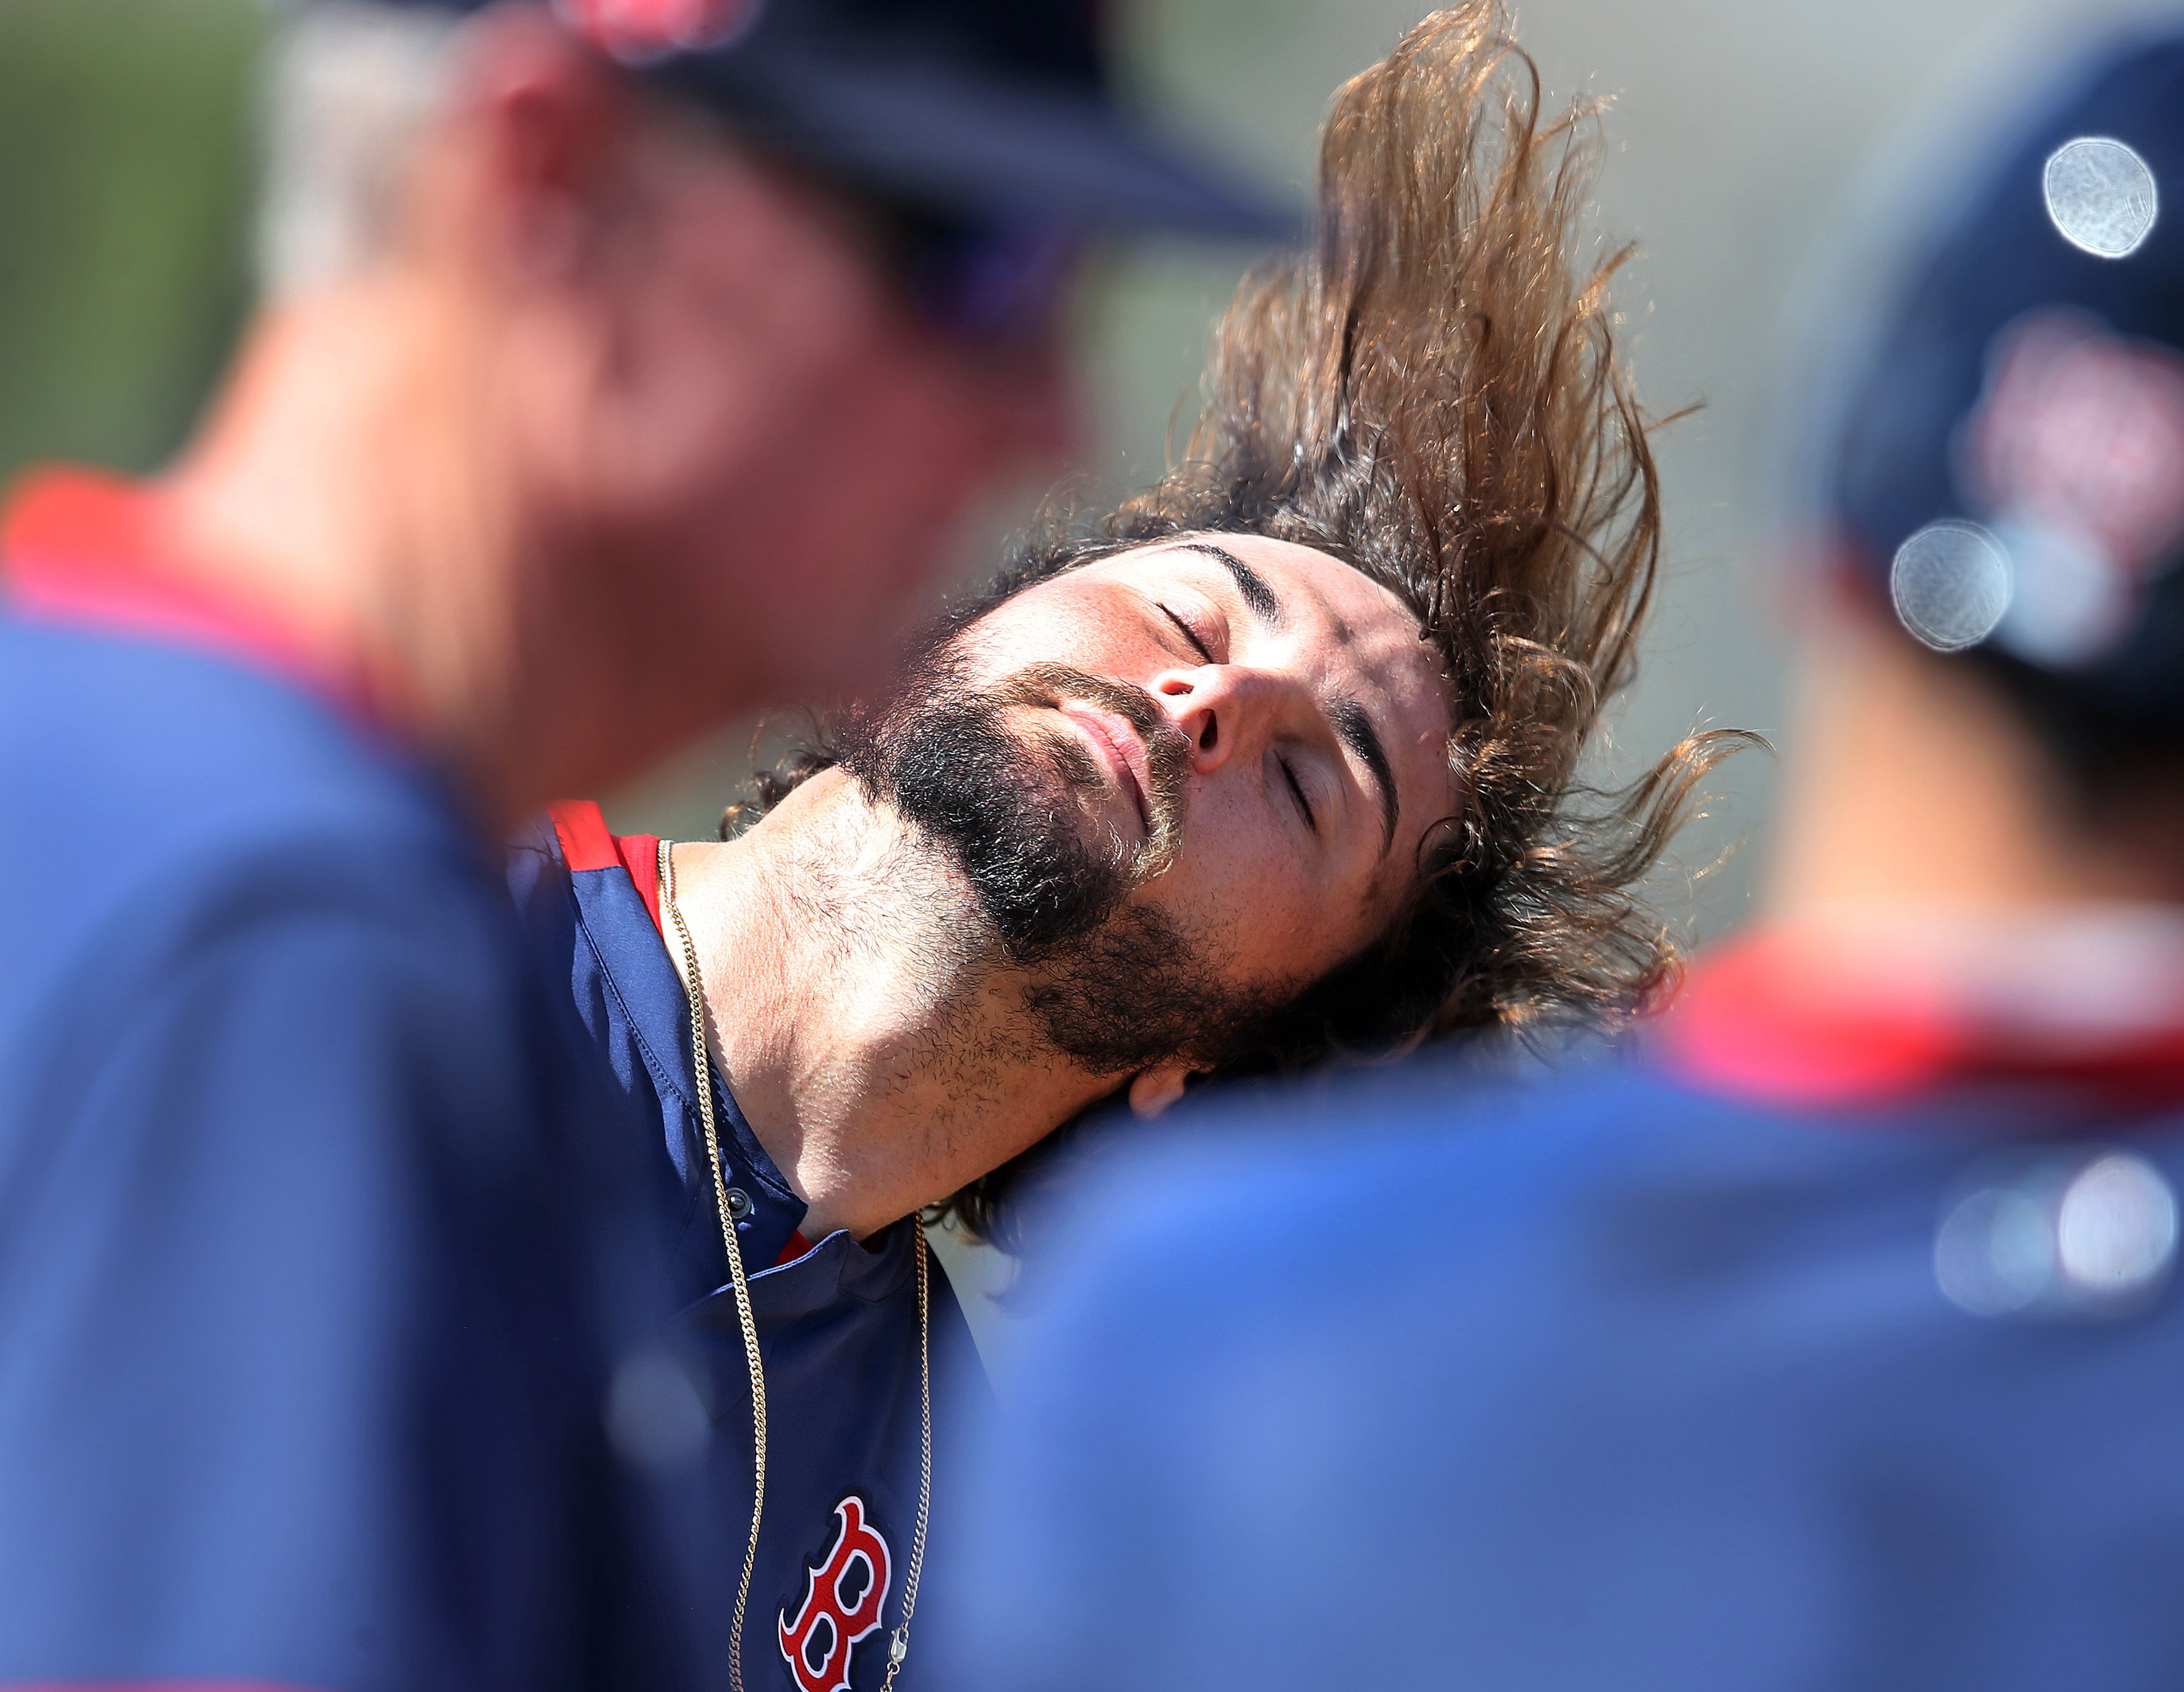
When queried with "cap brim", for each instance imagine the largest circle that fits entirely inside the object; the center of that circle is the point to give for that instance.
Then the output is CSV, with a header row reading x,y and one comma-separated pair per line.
x,y
972,144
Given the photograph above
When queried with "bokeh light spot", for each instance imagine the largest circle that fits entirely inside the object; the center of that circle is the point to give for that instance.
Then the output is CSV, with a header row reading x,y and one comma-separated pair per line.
x,y
2063,1236
1995,1253
2101,195
2115,1230
1951,584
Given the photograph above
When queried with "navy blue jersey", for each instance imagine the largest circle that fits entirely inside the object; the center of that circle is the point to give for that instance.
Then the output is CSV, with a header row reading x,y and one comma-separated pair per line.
x,y
307,1296
1647,1379
837,1320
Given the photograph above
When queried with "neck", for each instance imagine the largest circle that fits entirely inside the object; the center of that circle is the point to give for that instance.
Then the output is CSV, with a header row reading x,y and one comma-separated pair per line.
x,y
1921,800
353,484
310,495
877,1051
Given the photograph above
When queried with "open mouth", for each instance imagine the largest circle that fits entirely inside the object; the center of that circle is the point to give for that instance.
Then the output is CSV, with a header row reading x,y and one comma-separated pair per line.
x,y
1120,750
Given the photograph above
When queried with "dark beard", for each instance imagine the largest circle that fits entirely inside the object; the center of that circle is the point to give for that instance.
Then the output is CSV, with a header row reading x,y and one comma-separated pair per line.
x,y
1116,987
1136,991
1005,808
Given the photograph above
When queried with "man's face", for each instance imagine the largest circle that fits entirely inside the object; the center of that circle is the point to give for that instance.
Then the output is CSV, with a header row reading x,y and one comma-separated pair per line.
x,y
1187,781
738,453
813,445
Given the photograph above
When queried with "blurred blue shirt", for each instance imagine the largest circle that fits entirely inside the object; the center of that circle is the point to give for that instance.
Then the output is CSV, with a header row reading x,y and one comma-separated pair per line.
x,y
311,1277
1650,1378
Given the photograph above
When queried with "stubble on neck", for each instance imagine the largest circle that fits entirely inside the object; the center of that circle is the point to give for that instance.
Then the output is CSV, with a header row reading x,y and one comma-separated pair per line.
x,y
864,1014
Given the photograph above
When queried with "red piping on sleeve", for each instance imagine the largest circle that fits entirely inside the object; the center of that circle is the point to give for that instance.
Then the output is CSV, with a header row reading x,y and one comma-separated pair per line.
x,y
640,856
1759,1021
92,550
587,843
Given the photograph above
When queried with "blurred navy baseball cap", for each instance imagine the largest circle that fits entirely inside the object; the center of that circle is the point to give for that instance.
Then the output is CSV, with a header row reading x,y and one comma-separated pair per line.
x,y
994,110
2006,466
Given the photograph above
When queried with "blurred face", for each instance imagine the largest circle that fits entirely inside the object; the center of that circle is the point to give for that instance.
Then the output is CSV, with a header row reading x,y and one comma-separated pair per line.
x,y
736,452
785,438
1187,781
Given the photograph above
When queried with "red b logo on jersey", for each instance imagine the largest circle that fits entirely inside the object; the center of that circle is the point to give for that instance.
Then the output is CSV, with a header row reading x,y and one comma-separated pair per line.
x,y
645,29
843,1598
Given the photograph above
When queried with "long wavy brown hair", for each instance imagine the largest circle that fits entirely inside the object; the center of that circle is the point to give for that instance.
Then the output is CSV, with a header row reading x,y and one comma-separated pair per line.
x,y
1432,394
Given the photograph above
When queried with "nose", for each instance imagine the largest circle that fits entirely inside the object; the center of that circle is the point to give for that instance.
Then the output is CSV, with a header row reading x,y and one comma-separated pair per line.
x,y
1225,711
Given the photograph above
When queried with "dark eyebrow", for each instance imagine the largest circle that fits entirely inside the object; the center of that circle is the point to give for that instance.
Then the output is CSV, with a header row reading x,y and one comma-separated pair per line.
x,y
1258,598
1354,723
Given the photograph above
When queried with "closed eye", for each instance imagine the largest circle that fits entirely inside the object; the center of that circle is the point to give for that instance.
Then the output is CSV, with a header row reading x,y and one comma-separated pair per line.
x,y
1189,634
1297,791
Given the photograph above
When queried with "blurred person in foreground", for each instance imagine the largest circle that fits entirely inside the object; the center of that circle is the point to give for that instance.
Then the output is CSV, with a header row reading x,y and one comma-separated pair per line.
x,y
1273,765
638,383
1831,1342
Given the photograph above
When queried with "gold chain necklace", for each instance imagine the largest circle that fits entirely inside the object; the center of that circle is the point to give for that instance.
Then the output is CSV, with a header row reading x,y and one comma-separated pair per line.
x,y
702,1063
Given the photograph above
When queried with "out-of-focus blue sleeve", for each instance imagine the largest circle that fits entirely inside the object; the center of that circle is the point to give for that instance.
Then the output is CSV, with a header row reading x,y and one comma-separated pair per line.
x,y
1110,1513
1613,1383
1191,1419
290,1393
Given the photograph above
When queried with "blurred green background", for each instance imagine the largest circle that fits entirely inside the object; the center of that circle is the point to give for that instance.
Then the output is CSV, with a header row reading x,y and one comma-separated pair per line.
x,y
125,141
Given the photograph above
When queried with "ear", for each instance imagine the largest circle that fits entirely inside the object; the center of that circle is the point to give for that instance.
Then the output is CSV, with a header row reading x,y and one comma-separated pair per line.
x,y
1153,1090
546,124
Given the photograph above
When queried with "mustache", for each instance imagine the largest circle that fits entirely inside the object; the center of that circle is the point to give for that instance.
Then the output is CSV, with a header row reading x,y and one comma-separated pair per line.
x,y
1168,748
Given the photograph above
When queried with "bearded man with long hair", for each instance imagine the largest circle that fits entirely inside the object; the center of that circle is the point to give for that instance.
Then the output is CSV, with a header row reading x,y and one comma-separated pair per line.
x,y
1831,1338
1274,766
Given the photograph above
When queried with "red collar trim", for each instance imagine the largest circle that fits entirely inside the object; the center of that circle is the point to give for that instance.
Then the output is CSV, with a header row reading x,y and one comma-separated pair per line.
x,y
1764,1019
82,548
587,843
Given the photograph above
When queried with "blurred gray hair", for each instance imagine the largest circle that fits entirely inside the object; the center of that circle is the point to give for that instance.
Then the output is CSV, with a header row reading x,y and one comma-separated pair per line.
x,y
349,86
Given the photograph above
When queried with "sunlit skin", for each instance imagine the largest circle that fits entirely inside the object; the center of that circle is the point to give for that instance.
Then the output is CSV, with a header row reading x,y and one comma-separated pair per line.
x,y
878,1078
1288,857
1933,850
623,432
1960,820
